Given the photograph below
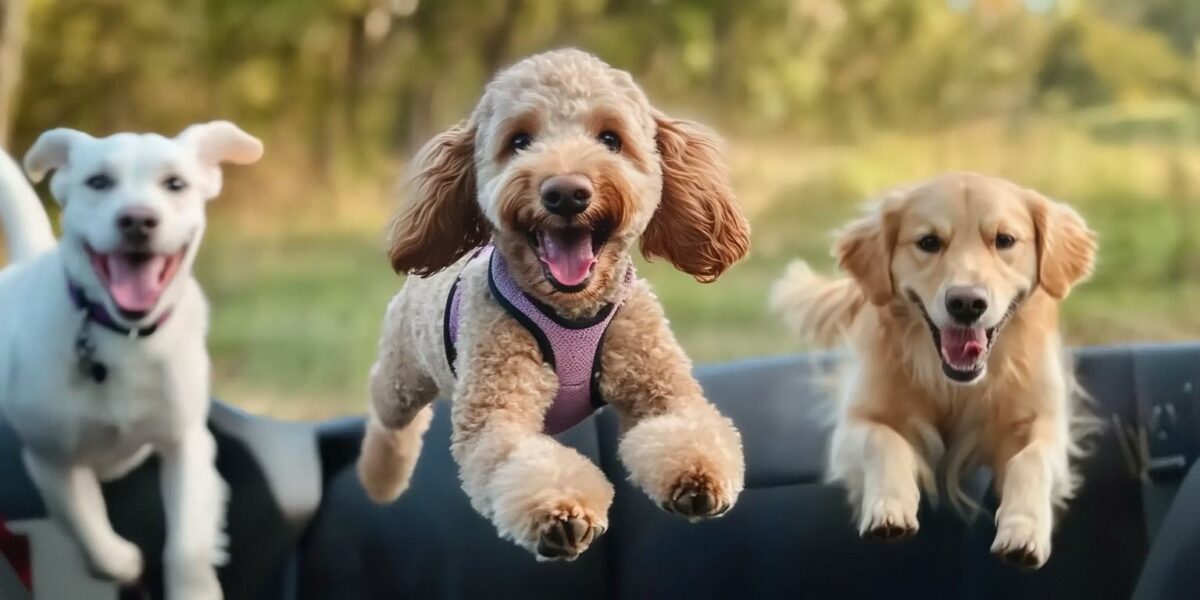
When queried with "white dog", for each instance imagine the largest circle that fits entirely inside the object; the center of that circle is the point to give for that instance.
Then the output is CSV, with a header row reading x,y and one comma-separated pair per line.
x,y
102,351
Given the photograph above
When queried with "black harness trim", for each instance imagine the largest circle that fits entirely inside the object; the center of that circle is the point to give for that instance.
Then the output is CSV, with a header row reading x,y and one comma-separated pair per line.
x,y
451,350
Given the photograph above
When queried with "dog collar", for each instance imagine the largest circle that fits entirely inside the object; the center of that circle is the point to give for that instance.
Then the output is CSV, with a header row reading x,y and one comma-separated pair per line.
x,y
98,314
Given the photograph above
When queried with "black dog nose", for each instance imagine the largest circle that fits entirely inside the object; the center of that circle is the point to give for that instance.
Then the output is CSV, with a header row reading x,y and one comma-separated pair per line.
x,y
966,303
136,223
566,195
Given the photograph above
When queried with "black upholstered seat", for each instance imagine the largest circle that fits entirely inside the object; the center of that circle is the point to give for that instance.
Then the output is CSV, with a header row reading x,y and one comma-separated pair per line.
x,y
790,535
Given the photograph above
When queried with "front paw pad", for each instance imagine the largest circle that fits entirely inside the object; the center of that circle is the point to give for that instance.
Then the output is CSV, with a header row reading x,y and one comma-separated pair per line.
x,y
566,534
696,496
1017,543
888,520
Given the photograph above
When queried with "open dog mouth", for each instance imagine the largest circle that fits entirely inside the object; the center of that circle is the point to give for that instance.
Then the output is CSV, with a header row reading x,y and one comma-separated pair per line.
x,y
963,349
568,254
135,280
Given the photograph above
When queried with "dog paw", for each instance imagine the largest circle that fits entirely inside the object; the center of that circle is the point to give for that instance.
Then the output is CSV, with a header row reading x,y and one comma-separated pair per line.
x,y
1022,543
566,532
888,519
119,561
697,496
195,583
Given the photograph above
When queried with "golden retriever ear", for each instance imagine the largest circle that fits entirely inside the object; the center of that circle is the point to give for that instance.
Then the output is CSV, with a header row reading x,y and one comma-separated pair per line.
x,y
698,226
864,250
1066,247
441,221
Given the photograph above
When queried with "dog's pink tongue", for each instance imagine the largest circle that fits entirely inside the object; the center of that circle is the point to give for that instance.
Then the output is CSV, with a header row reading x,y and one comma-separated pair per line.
x,y
962,346
135,287
568,254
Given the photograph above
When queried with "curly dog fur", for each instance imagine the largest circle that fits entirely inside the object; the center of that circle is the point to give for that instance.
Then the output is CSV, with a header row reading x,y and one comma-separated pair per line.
x,y
664,185
908,406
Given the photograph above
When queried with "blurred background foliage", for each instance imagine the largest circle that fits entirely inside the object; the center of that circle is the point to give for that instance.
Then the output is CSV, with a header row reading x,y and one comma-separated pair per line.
x,y
824,104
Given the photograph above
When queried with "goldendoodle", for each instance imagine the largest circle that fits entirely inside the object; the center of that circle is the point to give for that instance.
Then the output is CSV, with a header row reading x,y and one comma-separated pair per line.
x,y
528,313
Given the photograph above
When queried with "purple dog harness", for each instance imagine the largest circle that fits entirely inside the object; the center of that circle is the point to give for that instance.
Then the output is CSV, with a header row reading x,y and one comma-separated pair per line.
x,y
571,347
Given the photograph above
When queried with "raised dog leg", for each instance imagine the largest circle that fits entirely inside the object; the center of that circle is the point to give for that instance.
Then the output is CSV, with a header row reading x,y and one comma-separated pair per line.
x,y
545,497
1030,464
389,455
194,497
679,450
72,496
398,417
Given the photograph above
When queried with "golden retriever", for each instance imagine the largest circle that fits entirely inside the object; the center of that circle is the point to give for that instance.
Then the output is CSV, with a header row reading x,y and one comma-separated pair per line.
x,y
951,313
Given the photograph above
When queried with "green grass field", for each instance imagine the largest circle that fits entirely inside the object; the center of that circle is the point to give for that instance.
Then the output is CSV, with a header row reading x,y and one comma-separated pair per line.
x,y
296,310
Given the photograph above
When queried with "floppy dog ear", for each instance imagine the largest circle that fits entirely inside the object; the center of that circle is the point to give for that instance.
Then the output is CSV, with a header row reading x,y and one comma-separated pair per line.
x,y
219,142
441,221
1066,247
864,250
698,226
51,151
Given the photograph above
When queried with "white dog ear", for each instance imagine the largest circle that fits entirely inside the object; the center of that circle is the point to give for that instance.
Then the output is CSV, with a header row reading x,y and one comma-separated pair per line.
x,y
51,151
220,142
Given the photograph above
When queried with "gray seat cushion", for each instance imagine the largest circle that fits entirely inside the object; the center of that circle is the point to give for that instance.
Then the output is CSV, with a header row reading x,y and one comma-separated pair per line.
x,y
1172,570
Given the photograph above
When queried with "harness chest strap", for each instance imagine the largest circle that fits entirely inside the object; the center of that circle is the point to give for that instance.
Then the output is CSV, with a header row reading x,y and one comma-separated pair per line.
x,y
572,348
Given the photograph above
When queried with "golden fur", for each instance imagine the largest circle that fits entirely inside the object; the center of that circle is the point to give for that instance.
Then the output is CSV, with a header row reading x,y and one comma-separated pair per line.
x,y
697,208
429,235
665,186
901,417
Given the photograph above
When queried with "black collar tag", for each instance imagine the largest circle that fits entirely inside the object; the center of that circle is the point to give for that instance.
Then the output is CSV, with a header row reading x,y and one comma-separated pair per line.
x,y
85,354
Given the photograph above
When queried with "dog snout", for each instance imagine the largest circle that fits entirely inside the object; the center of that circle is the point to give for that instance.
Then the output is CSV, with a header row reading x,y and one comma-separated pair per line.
x,y
966,303
566,195
137,223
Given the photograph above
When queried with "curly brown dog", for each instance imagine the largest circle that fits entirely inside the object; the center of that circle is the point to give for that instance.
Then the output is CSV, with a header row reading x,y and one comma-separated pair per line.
x,y
980,264
561,169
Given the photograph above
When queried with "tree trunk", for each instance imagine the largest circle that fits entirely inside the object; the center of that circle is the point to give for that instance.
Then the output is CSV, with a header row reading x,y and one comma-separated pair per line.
x,y
497,43
725,64
12,40
355,71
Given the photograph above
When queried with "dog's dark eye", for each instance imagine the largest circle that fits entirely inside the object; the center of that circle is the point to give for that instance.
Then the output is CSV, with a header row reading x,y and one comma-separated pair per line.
x,y
1005,241
174,183
520,141
930,243
100,182
611,140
